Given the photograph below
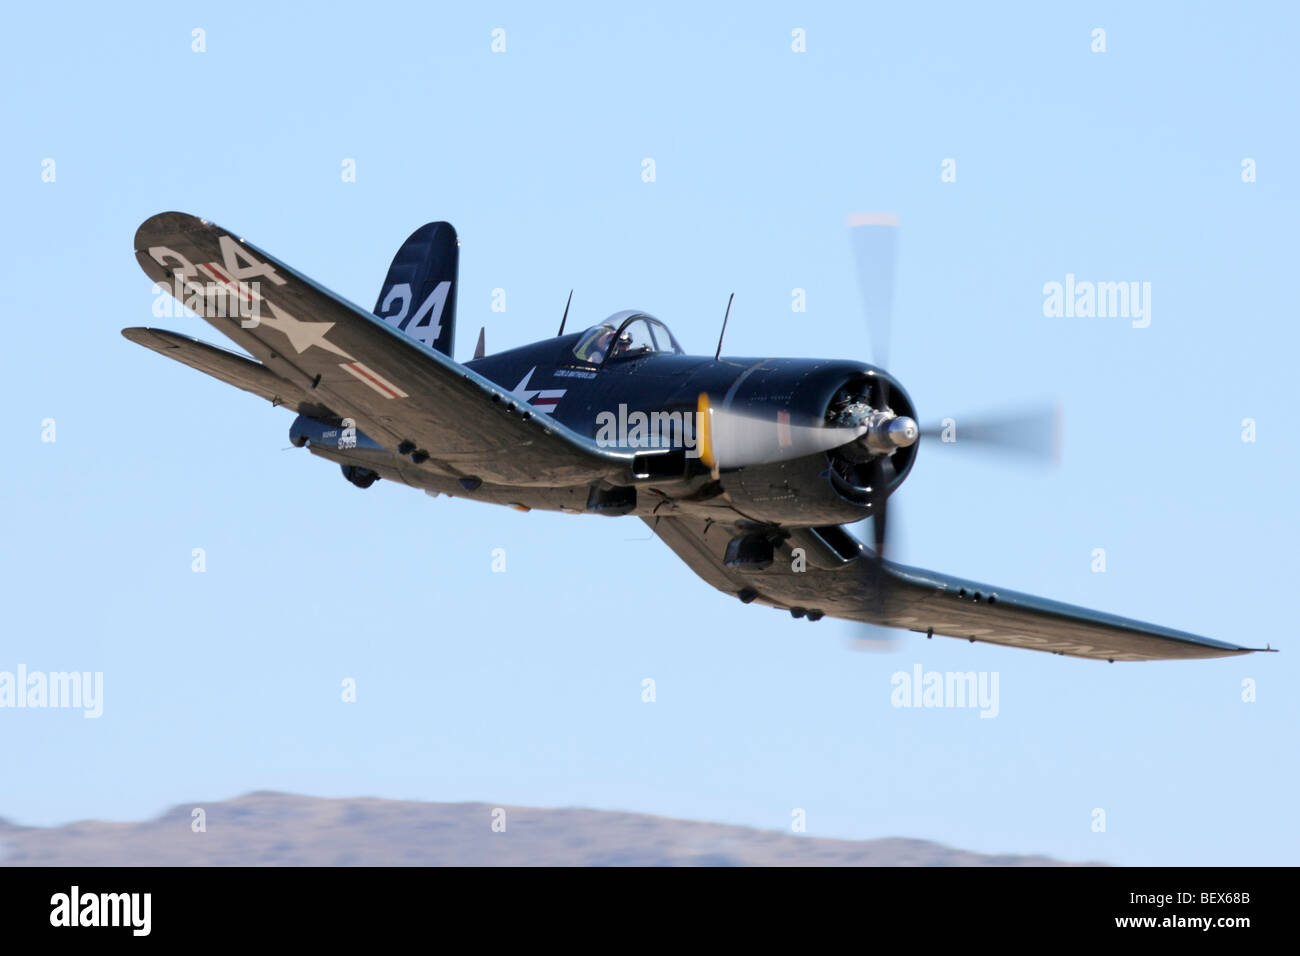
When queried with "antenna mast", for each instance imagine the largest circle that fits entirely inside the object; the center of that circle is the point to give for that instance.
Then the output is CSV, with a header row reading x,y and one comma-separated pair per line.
x,y
727,315
566,314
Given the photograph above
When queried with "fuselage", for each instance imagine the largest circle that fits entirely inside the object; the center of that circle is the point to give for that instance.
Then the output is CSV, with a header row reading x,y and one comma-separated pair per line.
x,y
647,401
579,394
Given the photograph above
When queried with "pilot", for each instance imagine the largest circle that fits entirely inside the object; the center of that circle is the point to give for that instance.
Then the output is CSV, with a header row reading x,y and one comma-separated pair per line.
x,y
623,344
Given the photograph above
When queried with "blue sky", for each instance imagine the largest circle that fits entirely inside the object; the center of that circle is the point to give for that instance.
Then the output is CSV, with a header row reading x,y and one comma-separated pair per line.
x,y
525,687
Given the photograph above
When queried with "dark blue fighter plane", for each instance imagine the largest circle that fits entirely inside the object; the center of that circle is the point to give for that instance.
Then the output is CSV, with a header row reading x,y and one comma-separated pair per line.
x,y
748,468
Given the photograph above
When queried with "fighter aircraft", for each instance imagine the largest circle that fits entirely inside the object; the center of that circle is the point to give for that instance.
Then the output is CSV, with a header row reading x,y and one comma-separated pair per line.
x,y
750,469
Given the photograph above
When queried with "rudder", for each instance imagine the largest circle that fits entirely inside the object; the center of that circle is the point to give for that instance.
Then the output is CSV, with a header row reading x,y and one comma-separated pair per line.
x,y
419,294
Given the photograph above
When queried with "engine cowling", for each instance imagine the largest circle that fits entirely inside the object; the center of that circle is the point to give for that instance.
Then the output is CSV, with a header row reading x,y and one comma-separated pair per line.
x,y
834,486
889,445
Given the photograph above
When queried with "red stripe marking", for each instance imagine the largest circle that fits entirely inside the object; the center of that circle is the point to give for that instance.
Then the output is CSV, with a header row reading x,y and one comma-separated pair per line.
x,y
245,293
378,384
220,271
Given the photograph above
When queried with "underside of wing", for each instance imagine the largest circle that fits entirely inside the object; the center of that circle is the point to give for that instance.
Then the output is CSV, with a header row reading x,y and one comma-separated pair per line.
x,y
942,604
819,572
400,392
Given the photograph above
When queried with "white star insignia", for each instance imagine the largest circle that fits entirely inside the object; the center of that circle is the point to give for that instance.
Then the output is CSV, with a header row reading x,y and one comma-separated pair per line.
x,y
301,335
522,391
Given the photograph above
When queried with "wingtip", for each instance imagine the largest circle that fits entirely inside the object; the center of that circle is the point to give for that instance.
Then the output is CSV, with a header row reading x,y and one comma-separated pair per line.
x,y
163,223
872,219
156,340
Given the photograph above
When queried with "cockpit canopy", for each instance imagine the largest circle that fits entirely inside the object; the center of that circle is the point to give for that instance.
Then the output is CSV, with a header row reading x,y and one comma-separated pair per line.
x,y
625,335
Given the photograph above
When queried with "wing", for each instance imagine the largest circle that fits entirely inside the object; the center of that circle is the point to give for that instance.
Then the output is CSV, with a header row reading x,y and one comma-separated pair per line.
x,y
344,359
842,579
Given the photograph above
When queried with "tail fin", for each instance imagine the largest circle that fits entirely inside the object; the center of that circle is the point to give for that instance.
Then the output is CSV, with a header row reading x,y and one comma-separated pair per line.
x,y
419,293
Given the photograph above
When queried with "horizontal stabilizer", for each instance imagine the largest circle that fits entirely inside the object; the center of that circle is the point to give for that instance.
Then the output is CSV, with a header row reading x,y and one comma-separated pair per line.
x,y
224,365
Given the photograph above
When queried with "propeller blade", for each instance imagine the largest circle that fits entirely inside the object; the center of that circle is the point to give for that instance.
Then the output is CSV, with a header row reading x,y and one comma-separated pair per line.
x,y
1034,433
879,505
881,473
729,439
873,638
875,248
